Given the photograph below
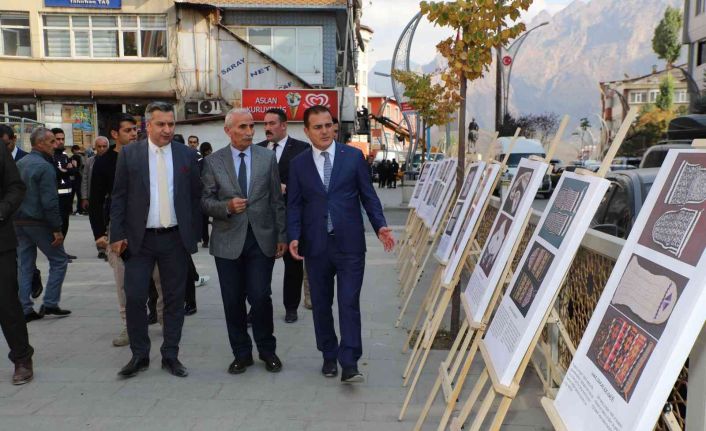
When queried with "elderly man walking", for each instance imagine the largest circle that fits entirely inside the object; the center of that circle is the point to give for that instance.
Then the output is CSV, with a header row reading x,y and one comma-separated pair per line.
x,y
242,192
155,219
38,224
12,191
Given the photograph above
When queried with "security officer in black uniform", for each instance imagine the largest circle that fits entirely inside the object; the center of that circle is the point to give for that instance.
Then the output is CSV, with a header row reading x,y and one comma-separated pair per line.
x,y
65,170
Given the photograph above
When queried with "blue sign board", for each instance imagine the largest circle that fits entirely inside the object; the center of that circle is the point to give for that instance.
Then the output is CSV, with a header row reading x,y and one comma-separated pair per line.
x,y
91,4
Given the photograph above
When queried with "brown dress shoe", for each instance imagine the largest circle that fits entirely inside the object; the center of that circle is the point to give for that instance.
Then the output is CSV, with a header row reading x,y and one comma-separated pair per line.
x,y
23,372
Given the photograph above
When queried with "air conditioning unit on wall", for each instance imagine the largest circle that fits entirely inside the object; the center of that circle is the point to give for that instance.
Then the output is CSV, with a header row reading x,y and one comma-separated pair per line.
x,y
209,107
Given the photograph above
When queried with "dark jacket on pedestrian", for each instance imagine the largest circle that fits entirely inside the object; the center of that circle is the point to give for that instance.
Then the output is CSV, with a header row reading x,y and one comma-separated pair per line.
x,y
12,191
41,203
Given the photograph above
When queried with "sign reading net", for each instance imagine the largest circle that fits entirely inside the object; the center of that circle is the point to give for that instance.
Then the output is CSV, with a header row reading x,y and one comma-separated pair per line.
x,y
650,312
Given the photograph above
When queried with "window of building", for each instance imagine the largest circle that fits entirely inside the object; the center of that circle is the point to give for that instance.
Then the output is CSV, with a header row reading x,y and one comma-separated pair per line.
x,y
105,36
681,96
653,96
20,109
701,52
14,34
638,96
299,49
700,7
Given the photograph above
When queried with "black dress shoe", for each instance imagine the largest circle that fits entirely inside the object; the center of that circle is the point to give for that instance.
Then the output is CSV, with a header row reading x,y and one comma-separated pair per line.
x,y
272,362
133,367
291,316
152,318
71,256
102,255
330,368
352,375
32,315
174,367
189,309
37,286
56,311
239,365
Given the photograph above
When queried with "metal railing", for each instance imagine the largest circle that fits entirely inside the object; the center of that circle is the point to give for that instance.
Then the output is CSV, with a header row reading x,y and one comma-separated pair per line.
x,y
23,129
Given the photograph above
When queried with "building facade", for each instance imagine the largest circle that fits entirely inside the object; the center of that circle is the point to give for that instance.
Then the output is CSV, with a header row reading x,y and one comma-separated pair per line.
x,y
74,67
617,97
694,36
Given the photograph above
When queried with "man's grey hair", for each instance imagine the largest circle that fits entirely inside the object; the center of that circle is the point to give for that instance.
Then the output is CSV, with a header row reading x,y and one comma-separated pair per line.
x,y
38,134
157,106
235,111
102,138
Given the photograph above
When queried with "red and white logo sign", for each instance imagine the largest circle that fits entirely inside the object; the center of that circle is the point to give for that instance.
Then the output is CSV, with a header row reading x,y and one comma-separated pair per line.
x,y
507,60
293,101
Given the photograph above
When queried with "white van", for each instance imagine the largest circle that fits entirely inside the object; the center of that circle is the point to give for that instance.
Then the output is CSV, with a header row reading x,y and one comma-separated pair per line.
x,y
523,149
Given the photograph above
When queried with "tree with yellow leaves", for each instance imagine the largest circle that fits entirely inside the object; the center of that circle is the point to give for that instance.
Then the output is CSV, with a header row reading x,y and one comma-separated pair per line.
x,y
481,26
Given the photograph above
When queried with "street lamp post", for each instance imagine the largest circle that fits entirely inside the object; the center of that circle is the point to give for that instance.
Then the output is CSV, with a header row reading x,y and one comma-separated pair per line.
x,y
508,56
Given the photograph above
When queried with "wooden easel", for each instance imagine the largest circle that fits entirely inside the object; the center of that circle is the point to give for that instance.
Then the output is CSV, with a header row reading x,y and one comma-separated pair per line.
x,y
441,294
471,331
442,267
548,403
489,381
421,251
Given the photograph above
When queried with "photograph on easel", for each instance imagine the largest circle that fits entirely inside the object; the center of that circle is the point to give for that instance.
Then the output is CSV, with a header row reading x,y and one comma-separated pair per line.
x,y
531,277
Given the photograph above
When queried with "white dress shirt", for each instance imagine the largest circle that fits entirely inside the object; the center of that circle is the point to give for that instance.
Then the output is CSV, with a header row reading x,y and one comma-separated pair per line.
x,y
248,164
319,159
153,214
280,147
14,153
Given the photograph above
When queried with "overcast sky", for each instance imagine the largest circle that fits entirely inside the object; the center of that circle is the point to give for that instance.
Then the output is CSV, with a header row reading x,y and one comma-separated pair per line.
x,y
387,18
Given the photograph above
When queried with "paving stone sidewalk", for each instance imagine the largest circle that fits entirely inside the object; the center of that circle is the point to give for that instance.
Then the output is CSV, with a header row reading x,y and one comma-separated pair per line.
x,y
76,387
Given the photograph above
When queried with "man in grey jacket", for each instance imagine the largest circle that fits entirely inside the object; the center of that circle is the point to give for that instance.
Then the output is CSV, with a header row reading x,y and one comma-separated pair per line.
x,y
38,224
241,191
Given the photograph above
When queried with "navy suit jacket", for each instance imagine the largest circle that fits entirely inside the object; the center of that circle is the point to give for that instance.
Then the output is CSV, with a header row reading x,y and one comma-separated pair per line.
x,y
309,203
130,200
20,153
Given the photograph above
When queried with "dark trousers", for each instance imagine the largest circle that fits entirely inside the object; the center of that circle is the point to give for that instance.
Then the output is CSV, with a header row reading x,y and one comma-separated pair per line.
x,y
292,284
348,268
65,204
12,319
76,192
204,229
191,279
248,277
152,298
166,251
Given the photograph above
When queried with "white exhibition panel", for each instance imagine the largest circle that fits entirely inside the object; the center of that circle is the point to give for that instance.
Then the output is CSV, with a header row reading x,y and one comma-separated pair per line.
x,y
482,194
651,310
419,186
541,271
437,189
448,191
459,211
425,191
502,237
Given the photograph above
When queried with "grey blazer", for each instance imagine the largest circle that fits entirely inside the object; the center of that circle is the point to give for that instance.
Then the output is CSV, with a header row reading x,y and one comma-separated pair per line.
x,y
265,211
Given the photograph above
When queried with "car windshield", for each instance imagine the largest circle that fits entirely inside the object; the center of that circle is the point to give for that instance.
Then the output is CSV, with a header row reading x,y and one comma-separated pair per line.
x,y
654,159
615,214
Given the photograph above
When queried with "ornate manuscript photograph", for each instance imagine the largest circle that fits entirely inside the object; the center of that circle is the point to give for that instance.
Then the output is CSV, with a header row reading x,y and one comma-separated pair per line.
x,y
561,214
519,185
531,277
495,242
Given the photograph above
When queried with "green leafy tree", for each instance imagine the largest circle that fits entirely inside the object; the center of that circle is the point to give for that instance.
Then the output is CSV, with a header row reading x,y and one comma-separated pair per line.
x,y
666,41
665,98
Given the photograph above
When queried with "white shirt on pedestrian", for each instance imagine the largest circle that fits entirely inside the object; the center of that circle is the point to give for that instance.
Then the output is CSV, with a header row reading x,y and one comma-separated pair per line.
x,y
319,159
153,214
14,152
280,147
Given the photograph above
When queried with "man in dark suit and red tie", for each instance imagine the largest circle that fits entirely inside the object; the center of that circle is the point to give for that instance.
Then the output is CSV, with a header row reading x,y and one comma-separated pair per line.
x,y
285,148
326,187
155,219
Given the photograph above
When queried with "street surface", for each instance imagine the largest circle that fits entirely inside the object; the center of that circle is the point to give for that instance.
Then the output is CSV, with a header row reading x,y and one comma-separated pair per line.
x,y
76,387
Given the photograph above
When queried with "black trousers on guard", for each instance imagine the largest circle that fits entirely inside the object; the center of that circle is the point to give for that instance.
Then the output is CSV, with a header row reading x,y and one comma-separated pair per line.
x,y
167,252
292,284
12,319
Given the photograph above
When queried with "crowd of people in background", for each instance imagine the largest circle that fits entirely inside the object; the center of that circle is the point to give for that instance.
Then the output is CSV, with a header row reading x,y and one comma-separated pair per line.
x,y
149,202
388,172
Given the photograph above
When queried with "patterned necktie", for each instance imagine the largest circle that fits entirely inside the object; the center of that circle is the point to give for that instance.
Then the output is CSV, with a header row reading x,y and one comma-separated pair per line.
x,y
243,176
165,216
327,180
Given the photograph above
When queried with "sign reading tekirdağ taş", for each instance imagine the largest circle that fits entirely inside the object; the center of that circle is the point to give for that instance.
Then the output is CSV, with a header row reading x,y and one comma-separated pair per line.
x,y
92,4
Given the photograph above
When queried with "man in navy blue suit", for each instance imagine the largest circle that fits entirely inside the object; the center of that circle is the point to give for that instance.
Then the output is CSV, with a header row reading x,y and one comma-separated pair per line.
x,y
324,224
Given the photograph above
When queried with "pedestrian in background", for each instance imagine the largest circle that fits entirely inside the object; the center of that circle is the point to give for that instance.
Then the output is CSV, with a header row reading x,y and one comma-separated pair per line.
x,y
206,149
38,223
65,170
101,143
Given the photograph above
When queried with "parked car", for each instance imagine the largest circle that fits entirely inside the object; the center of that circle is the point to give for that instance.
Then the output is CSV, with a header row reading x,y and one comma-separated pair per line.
x,y
655,155
622,202
524,148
